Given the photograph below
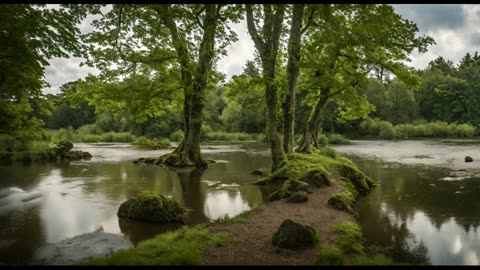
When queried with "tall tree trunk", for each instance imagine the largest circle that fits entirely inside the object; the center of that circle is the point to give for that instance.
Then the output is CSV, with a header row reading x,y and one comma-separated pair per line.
x,y
194,84
309,136
267,45
292,75
191,153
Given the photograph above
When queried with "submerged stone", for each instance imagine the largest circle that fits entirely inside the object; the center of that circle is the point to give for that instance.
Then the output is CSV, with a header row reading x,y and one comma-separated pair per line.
x,y
152,208
80,248
468,159
293,235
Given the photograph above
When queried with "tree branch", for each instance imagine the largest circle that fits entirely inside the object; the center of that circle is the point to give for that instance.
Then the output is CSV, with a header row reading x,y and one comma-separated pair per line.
x,y
197,19
310,21
252,29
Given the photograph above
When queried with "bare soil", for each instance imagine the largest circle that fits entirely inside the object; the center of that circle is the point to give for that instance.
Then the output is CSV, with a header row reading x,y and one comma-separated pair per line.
x,y
253,244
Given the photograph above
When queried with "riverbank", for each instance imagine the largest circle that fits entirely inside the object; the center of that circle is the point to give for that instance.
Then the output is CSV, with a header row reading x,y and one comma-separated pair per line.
x,y
330,184
253,237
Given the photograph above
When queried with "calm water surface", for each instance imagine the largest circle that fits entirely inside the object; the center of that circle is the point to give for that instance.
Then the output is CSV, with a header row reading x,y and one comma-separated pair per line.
x,y
426,210
427,207
46,203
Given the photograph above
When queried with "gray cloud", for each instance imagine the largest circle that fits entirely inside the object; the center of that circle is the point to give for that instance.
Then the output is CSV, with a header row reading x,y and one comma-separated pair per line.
x,y
475,38
63,70
433,16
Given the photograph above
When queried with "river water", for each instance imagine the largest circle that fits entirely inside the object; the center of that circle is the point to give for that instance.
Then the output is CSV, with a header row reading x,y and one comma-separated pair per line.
x,y
426,209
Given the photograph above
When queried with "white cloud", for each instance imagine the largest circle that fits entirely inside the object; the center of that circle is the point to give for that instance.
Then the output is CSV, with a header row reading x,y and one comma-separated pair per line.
x,y
454,28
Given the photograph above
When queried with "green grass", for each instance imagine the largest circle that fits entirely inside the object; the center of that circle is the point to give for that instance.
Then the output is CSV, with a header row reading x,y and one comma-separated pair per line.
x,y
241,218
420,129
378,259
180,247
351,239
330,255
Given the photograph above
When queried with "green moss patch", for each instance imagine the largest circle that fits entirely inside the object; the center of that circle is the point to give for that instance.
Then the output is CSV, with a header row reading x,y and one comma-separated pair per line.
x,y
180,247
351,239
241,218
330,255
313,171
151,207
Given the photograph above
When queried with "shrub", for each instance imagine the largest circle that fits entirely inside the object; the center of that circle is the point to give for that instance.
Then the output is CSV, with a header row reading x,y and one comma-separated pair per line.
x,y
334,138
322,139
152,143
177,136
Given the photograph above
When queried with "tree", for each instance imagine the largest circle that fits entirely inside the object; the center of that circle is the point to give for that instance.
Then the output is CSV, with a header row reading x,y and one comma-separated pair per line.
x,y
31,34
348,42
175,44
267,44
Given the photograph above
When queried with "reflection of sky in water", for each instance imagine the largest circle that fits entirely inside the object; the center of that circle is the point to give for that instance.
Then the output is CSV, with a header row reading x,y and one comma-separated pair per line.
x,y
219,203
69,200
65,216
448,245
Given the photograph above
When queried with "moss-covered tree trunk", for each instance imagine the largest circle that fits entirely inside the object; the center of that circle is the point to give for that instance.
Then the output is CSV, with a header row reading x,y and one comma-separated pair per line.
x,y
191,153
309,136
267,45
194,84
292,74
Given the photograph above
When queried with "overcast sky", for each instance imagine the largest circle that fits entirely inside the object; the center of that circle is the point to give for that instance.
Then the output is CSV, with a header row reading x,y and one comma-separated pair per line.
x,y
455,28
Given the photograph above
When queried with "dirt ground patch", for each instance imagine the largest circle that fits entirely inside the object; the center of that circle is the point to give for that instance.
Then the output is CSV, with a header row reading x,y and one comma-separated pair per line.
x,y
253,245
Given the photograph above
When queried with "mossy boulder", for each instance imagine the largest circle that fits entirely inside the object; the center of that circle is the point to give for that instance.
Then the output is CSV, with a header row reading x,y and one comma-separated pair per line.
x,y
151,207
298,197
293,235
468,159
65,144
77,155
316,178
60,151
288,188
342,201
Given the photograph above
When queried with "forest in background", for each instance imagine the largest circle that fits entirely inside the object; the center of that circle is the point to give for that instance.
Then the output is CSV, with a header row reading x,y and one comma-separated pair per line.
x,y
338,70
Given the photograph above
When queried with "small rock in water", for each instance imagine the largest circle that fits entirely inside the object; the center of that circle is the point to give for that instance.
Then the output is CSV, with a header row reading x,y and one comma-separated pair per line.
x,y
468,159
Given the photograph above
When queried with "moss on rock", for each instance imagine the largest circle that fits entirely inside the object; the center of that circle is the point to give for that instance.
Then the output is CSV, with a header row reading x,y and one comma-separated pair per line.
x,y
288,188
292,235
298,197
342,201
314,171
150,207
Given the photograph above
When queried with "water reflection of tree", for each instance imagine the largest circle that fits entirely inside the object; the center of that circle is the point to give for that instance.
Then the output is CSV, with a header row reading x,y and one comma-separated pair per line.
x,y
193,197
407,190
416,188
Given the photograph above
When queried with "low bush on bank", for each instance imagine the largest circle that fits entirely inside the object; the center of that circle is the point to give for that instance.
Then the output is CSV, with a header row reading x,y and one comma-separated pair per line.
x,y
152,143
210,136
82,135
13,147
420,129
331,138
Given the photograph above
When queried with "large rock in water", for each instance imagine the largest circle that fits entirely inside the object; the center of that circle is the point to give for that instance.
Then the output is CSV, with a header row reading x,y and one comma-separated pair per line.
x,y
80,248
77,155
65,144
468,159
294,235
150,207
